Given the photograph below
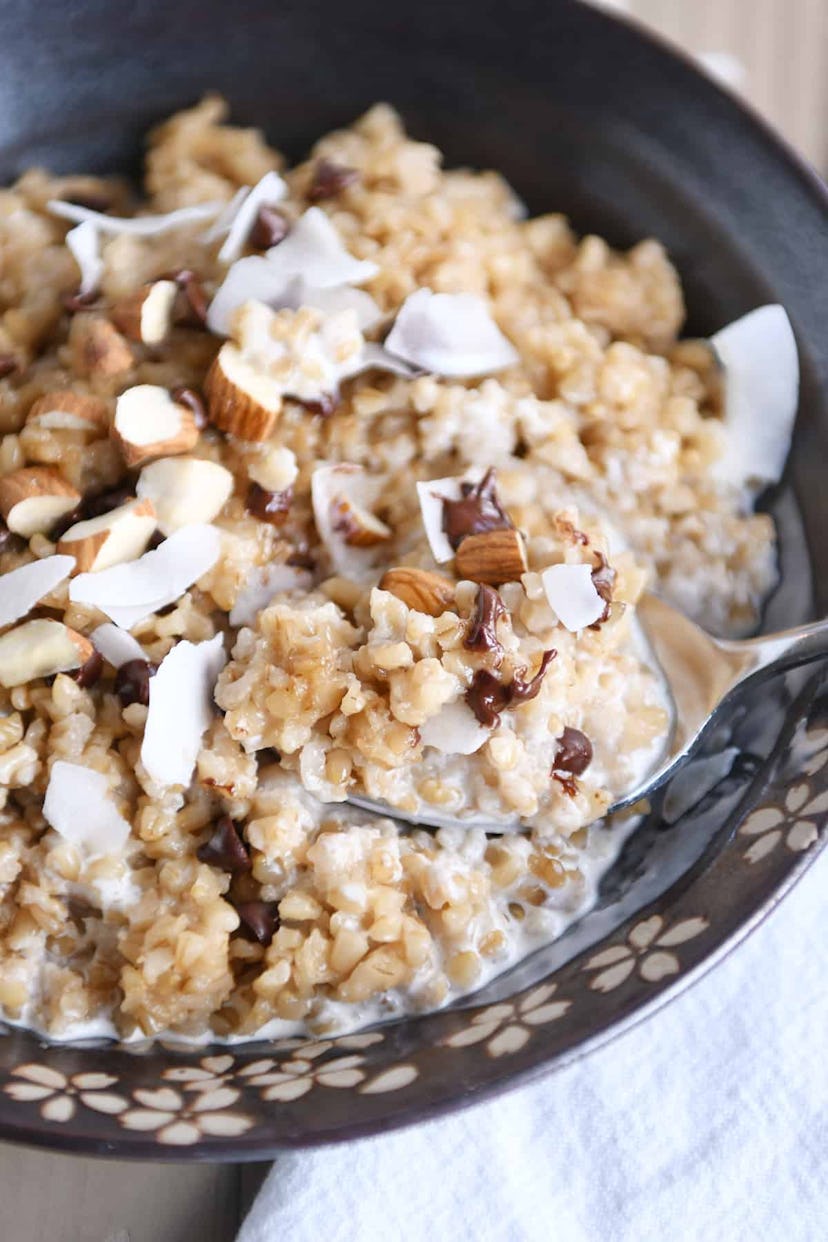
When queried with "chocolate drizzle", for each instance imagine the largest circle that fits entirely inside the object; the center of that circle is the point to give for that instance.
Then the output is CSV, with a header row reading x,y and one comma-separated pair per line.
x,y
482,634
270,507
487,697
225,848
478,511
330,179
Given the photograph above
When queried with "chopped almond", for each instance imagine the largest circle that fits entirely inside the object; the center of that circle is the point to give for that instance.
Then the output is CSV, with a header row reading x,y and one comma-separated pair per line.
x,y
65,410
40,649
357,525
33,499
420,589
99,351
147,314
114,537
184,490
149,423
494,557
242,400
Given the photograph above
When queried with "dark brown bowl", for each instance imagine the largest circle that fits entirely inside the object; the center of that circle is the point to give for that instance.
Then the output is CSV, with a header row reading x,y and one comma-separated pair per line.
x,y
586,115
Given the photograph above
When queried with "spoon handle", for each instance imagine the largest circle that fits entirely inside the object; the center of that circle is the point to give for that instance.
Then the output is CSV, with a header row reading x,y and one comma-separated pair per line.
x,y
771,653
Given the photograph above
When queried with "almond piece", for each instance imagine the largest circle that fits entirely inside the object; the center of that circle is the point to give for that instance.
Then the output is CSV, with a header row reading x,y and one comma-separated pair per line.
x,y
242,400
420,589
98,349
40,649
32,499
65,410
183,490
275,468
495,557
357,525
146,315
149,423
114,537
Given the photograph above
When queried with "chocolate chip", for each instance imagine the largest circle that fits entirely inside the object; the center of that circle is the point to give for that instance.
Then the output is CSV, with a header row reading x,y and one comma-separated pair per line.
x,y
195,299
270,507
74,303
269,228
488,697
89,672
574,753
8,365
155,540
603,579
132,682
482,635
330,179
95,506
225,848
259,918
302,558
192,400
478,511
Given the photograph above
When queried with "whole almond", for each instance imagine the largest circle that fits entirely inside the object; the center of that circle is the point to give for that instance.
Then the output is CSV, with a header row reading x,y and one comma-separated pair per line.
x,y
420,589
494,557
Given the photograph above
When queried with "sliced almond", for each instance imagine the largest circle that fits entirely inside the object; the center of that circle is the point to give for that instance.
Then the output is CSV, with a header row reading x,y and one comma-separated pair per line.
x,y
184,490
420,589
149,423
40,649
98,349
32,499
495,557
22,588
147,314
242,401
114,537
65,410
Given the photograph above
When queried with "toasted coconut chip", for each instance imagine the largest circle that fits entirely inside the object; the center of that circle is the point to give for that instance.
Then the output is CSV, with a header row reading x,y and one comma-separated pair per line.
x,y
343,497
129,593
454,730
117,646
431,495
312,251
262,586
572,595
333,300
20,589
271,189
185,490
137,226
180,710
85,246
79,807
761,385
449,334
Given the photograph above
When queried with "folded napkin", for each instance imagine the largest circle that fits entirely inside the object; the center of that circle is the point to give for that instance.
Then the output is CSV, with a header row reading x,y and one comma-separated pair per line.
x,y
707,1123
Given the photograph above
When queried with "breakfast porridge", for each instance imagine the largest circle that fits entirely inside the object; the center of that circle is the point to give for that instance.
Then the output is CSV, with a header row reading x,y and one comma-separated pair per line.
x,y
331,483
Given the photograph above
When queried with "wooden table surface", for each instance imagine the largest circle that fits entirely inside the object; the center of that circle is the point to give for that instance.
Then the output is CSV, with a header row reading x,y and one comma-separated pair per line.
x,y
782,46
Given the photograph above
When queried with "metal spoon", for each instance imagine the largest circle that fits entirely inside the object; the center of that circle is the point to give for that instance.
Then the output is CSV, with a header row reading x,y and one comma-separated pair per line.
x,y
701,674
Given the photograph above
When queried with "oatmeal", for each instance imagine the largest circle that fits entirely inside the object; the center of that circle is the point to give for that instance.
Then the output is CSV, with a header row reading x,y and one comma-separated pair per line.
x,y
332,483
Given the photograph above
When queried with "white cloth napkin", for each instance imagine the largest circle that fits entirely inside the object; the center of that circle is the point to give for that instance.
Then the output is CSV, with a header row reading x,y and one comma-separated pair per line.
x,y
707,1123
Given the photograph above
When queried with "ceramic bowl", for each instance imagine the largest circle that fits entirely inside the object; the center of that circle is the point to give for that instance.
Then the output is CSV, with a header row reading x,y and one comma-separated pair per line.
x,y
586,115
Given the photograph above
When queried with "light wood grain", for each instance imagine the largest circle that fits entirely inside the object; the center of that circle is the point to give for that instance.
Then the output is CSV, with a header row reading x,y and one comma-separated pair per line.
x,y
51,1198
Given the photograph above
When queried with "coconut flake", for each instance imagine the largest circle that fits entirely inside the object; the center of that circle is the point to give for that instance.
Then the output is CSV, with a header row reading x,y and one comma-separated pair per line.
x,y
117,646
180,710
572,595
131,592
454,730
271,189
375,358
761,383
221,224
85,246
20,589
431,495
79,807
333,300
136,226
331,488
449,334
261,587
312,250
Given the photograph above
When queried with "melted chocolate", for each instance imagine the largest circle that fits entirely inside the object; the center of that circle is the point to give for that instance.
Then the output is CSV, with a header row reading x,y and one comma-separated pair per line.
x,y
478,511
482,635
487,697
89,672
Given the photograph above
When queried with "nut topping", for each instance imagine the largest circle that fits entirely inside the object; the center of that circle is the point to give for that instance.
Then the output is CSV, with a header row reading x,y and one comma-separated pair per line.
x,y
242,400
420,589
65,410
114,537
40,649
495,557
357,525
33,499
267,506
99,351
149,423
146,315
